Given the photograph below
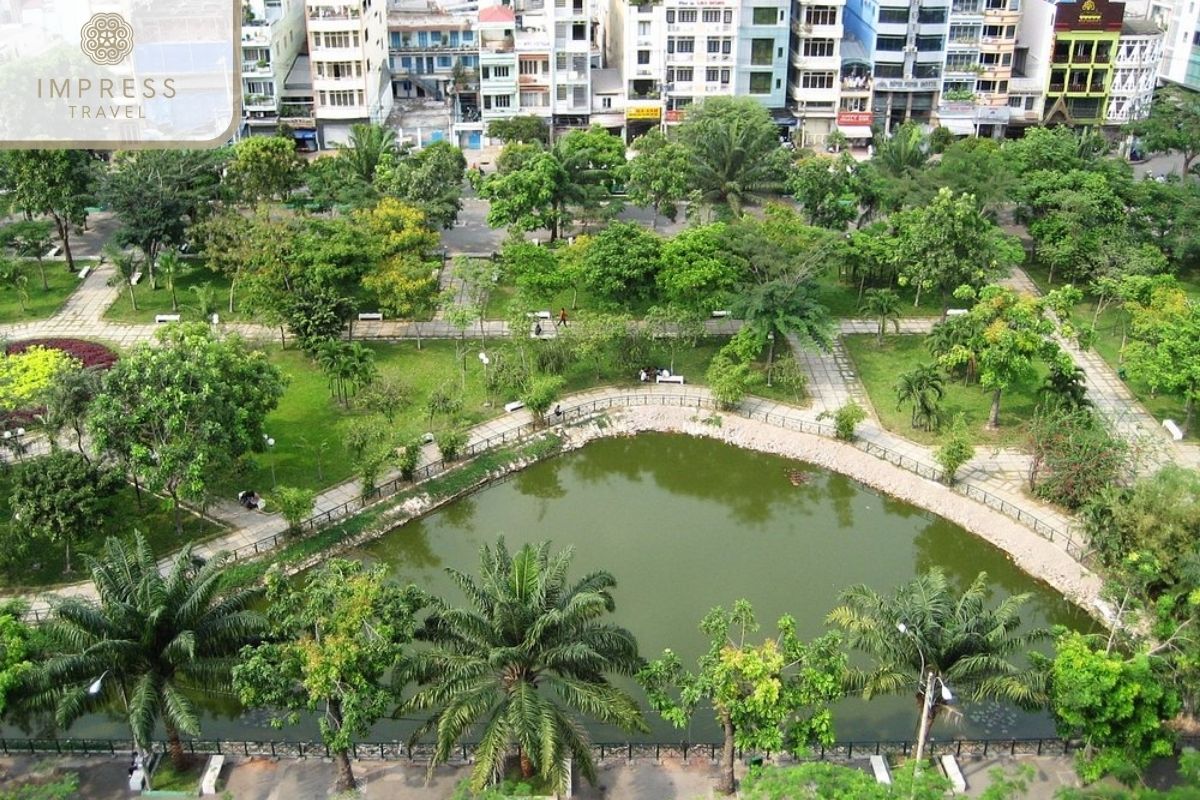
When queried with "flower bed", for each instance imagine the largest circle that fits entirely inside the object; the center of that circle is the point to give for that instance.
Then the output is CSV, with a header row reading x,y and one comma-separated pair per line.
x,y
89,354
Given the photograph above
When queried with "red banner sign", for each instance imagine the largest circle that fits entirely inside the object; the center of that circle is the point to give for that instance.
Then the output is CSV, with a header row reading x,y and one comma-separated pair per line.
x,y
855,118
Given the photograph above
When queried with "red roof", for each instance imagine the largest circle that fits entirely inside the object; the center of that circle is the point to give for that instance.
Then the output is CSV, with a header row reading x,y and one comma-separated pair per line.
x,y
497,14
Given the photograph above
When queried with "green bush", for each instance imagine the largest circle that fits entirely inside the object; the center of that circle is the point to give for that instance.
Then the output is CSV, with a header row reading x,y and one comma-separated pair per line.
x,y
955,451
845,420
541,393
295,505
450,442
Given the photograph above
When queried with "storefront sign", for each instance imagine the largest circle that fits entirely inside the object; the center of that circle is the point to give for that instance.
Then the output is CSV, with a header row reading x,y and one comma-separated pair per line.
x,y
643,112
855,118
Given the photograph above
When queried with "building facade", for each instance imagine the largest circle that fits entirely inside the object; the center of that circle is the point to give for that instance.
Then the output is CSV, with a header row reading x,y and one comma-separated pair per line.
x,y
348,57
1081,61
1135,72
273,35
1180,22
815,80
431,55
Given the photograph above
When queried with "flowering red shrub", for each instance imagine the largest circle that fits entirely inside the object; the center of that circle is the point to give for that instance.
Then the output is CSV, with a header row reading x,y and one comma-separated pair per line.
x,y
90,354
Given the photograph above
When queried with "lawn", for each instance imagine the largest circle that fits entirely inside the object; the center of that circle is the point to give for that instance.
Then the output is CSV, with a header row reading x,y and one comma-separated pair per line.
x,y
167,778
151,302
1110,326
41,303
878,366
43,565
842,298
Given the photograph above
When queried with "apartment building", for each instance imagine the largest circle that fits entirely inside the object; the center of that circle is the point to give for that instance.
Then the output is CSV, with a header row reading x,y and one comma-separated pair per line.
x,y
432,55
814,84
273,35
1081,61
1180,22
982,37
348,55
1136,67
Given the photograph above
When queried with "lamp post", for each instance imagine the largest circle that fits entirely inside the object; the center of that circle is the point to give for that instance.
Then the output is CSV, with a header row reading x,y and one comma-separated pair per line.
x,y
141,760
12,440
483,358
926,682
270,442
770,354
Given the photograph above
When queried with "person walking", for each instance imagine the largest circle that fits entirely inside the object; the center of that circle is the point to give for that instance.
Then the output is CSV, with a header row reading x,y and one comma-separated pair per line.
x,y
562,317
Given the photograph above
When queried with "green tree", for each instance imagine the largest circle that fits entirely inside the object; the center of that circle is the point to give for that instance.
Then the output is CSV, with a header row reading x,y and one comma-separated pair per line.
x,y
59,184
148,643
904,153
955,451
169,265
1165,351
59,498
29,238
66,402
529,197
19,655
831,190
675,327
594,162
1173,125
369,146
925,625
770,696
528,636
181,410
334,185
535,270
977,167
430,179
540,393
696,272
621,262
1116,704
922,387
525,129
1065,385
736,157
1073,455
882,305
333,639
263,168
846,419
659,175
294,504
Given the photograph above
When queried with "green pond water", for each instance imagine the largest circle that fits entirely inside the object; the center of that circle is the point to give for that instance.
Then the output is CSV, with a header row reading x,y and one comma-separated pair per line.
x,y
685,524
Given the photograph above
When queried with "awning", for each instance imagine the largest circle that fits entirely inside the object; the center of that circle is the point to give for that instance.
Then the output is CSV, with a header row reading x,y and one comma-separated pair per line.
x,y
856,131
959,126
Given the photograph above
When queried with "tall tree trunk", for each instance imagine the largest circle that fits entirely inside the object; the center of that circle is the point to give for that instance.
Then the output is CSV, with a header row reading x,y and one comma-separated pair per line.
x,y
64,236
42,272
132,296
175,747
177,511
994,416
341,759
174,299
67,542
527,770
1189,415
231,285
725,782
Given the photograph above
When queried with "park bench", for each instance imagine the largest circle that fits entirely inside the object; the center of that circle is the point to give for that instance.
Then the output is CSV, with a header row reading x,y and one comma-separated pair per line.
x,y
882,773
719,314
134,278
53,251
370,316
515,405
212,770
1173,429
957,782
83,273
669,379
161,318
956,312
542,315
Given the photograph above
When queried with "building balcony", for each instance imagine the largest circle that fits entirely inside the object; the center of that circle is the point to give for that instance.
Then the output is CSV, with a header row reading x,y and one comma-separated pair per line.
x,y
434,49
343,112
856,87
252,69
256,36
259,102
504,45
334,12
804,29
537,79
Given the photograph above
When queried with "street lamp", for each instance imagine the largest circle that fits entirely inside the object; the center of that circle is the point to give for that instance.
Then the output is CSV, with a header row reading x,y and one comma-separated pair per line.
x,y
483,358
12,440
271,443
770,354
94,686
928,677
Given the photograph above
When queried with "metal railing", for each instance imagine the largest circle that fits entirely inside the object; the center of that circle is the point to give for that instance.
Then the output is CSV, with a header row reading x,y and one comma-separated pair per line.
x,y
397,750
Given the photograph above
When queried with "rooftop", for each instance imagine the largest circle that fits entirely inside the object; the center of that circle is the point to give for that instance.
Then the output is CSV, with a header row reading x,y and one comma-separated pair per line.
x,y
497,14
1139,27
427,21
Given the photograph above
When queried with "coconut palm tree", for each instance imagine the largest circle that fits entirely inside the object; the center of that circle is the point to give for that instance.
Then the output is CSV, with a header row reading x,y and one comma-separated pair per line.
x,y
734,165
368,146
150,642
520,664
882,305
925,628
1065,385
952,340
904,152
921,386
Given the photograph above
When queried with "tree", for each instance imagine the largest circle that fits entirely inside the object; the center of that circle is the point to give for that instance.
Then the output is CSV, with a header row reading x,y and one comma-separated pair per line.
x,y
846,419
66,401
295,504
29,238
316,313
594,162
430,179
621,262
1173,125
659,175
333,638
1074,456
925,628
527,631
14,277
179,411
349,366
696,272
977,167
831,190
922,387
169,264
1165,351
1065,385
771,696
882,305
904,153
149,641
949,243
736,157
406,288
1117,704
540,393
333,184
19,656
59,184
955,451
60,497
157,194
535,270
369,146
526,129
677,328
526,198
263,168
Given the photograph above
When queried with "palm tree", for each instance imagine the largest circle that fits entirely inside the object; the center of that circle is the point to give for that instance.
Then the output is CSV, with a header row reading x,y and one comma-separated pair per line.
x,y
921,386
925,634
953,339
528,652
734,164
1065,386
169,264
149,643
367,148
904,152
883,305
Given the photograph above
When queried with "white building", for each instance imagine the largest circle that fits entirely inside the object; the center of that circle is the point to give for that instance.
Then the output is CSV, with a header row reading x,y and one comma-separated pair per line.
x,y
272,37
1135,71
1180,22
815,81
348,54
1031,63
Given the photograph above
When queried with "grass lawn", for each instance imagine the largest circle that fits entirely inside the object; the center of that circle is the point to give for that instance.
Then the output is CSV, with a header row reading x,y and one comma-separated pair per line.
x,y
501,295
842,298
151,302
1107,343
41,303
878,367
167,778
43,565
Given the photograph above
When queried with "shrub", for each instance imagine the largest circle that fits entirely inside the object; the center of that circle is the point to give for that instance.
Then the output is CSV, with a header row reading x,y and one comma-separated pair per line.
x,y
845,420
541,394
788,374
450,443
295,505
955,451
728,379
1074,456
409,458
89,354
27,374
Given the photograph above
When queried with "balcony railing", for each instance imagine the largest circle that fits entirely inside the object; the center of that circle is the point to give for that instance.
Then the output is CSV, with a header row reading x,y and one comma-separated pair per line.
x,y
409,47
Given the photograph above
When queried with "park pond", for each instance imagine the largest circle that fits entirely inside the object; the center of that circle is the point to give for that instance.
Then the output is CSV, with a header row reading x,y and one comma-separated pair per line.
x,y
685,524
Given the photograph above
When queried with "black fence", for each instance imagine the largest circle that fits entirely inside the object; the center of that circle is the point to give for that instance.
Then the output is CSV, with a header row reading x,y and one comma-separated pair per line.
x,y
603,751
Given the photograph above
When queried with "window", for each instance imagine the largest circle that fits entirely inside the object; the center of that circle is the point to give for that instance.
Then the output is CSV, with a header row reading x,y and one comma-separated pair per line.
x,y
889,71
1016,101
986,86
643,28
687,15
760,52
443,62
500,72
533,99
931,16
606,102
560,93
724,76
406,62
713,45
893,16
468,36
726,46
527,68
685,44
671,16
712,75
889,44
816,80
727,17
964,34
711,16
820,15
684,74
818,48
643,56
929,44
960,62
579,32
501,101
670,44
764,15
927,71
760,83
341,98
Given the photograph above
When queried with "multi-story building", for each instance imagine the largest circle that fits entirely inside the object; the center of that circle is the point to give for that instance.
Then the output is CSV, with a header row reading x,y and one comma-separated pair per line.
x,y
1081,61
979,58
348,54
1031,64
1180,22
816,68
272,38
1135,71
906,43
432,54
855,118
